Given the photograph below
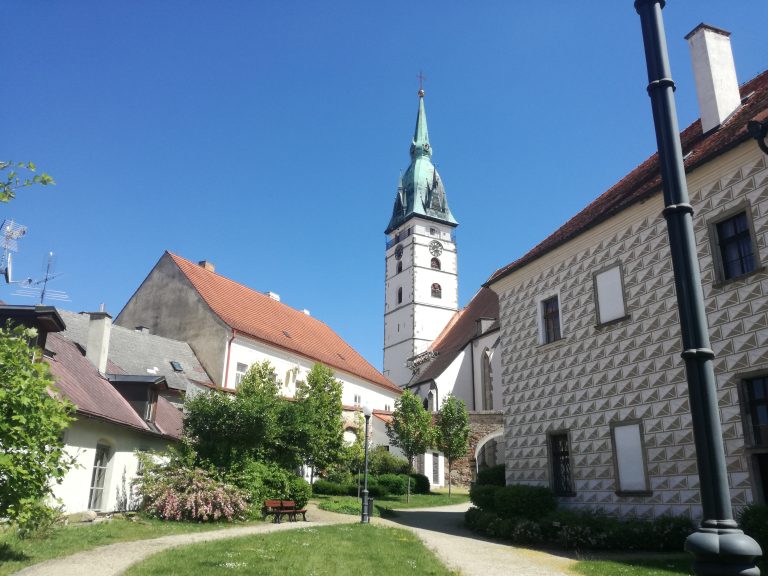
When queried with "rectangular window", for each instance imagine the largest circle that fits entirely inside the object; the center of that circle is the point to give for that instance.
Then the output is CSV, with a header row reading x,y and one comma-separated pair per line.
x,y
562,480
240,371
629,456
357,400
756,392
100,464
550,320
387,408
435,468
609,295
733,245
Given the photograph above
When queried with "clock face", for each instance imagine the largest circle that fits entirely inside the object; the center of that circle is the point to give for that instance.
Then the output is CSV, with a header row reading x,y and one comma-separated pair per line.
x,y
399,251
435,248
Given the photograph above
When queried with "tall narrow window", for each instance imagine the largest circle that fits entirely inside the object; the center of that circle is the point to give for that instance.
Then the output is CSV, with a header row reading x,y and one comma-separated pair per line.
x,y
609,295
735,246
435,264
240,371
400,295
399,267
562,480
98,476
756,396
435,468
550,320
437,291
631,476
487,380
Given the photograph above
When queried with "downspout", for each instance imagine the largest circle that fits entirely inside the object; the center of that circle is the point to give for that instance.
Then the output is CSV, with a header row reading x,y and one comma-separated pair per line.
x,y
226,361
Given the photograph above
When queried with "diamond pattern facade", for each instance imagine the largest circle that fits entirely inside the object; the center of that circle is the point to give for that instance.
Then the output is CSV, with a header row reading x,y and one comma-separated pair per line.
x,y
631,370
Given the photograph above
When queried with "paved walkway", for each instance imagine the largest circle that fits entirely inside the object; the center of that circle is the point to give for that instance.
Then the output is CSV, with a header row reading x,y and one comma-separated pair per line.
x,y
439,528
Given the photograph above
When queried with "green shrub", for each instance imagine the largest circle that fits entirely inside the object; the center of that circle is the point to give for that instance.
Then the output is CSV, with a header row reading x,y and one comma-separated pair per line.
x,y
299,490
262,481
382,461
419,484
495,476
483,496
394,484
477,520
754,521
328,488
523,501
526,532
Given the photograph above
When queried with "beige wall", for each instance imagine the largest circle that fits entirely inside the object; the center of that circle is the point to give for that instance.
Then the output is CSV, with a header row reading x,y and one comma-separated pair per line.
x,y
631,370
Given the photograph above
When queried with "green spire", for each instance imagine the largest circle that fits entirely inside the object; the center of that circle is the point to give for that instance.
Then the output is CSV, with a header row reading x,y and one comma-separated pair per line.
x,y
420,191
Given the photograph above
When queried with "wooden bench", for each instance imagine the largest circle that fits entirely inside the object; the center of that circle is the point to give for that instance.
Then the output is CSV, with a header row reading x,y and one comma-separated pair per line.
x,y
280,508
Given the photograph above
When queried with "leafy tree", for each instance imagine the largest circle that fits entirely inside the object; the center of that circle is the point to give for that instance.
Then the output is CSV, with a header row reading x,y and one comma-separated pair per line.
x,y
319,399
255,423
452,431
32,420
411,429
11,181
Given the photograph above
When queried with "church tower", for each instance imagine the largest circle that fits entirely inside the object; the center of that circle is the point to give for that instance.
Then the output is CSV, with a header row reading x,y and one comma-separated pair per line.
x,y
421,290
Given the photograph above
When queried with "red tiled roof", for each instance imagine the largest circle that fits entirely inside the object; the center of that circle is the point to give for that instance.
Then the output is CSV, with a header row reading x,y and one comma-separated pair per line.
x,y
79,381
260,317
385,417
459,332
645,180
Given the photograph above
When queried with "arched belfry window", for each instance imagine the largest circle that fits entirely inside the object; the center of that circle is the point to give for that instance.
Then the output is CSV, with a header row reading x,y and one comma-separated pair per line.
x,y
435,264
487,380
400,295
399,267
437,292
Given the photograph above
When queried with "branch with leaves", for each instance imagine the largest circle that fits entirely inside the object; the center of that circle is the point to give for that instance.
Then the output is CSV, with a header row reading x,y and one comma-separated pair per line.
x,y
12,180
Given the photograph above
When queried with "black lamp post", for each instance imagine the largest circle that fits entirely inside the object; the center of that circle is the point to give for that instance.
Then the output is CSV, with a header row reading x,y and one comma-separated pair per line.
x,y
365,516
718,546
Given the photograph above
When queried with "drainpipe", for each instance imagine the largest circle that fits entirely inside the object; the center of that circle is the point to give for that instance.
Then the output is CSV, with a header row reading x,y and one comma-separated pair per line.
x,y
718,546
226,361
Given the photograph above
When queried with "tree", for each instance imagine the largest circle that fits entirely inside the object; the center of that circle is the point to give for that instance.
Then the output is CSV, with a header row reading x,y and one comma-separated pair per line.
x,y
411,429
32,419
319,399
452,431
11,181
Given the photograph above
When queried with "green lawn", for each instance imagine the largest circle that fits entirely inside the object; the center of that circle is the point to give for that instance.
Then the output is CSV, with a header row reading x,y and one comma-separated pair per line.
x,y
332,550
66,540
351,505
650,564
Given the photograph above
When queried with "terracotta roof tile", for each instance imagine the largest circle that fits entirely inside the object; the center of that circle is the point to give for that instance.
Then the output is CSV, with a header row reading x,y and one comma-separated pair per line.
x,y
645,180
260,317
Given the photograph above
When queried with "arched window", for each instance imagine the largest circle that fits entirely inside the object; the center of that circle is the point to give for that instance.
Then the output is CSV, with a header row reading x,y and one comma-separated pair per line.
x,y
487,380
437,292
435,264
399,267
400,295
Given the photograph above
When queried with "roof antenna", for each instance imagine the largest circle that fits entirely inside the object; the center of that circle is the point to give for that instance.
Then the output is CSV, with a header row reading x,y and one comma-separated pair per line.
x,y
11,232
34,288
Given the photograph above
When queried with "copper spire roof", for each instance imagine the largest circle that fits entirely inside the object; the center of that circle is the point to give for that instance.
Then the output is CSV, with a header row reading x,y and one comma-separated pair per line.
x,y
260,317
645,180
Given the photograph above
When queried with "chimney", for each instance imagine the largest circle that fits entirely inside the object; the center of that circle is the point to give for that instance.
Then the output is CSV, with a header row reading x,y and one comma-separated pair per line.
x,y
274,296
97,347
207,265
716,86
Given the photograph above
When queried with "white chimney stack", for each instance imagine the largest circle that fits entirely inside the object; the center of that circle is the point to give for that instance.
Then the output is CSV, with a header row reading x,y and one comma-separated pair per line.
x,y
717,88
274,296
97,347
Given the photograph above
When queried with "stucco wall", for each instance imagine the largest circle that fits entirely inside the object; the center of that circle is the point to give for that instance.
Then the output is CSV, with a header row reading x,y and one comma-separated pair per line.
x,y
631,369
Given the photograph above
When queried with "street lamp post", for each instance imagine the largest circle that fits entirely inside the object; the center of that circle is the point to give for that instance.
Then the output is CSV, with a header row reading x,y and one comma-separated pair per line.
x,y
718,546
365,516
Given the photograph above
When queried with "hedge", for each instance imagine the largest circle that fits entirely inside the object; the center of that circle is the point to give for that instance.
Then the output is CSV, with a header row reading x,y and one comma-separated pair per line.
x,y
494,475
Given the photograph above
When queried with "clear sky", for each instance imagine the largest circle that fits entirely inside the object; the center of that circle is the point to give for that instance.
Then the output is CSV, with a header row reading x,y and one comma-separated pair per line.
x,y
268,136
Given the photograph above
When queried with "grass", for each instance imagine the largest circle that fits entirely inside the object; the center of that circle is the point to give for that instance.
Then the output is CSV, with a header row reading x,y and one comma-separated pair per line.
x,y
633,565
388,504
66,540
333,550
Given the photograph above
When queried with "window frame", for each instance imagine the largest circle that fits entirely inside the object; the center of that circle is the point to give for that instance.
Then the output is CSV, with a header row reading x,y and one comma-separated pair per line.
x,y
435,263
543,334
622,288
103,479
400,295
436,290
716,248
615,453
551,435
239,375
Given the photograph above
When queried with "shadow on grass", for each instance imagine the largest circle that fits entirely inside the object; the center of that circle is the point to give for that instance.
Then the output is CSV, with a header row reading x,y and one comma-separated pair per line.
x,y
8,554
633,564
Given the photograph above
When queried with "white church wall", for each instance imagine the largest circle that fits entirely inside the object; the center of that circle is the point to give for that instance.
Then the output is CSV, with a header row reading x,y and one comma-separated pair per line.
x,y
456,379
490,342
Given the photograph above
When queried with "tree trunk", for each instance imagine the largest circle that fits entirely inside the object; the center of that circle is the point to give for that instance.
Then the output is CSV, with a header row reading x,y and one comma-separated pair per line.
x,y
408,492
449,479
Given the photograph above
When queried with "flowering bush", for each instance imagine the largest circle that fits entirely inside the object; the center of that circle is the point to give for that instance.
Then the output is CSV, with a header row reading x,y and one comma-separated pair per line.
x,y
177,491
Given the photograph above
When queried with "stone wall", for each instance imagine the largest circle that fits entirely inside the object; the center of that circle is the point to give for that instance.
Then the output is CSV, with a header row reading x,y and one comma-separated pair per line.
x,y
482,425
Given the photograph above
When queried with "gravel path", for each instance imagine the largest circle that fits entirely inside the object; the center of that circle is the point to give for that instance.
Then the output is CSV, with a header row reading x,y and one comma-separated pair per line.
x,y
441,529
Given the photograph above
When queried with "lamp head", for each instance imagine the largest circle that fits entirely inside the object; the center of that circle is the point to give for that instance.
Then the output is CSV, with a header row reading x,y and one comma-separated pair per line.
x,y
367,410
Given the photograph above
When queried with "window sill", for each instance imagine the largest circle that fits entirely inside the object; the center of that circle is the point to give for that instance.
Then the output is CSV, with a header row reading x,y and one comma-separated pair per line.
x,y
559,342
634,493
601,325
723,282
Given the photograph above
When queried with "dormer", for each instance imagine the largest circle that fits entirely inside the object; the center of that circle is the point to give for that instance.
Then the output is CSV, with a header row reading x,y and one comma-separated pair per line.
x,y
141,392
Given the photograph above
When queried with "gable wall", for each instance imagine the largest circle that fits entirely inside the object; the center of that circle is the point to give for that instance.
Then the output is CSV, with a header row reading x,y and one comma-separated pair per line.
x,y
632,370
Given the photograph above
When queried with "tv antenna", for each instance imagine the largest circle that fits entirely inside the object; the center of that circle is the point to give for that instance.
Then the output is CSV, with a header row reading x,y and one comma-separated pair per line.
x,y
34,288
11,232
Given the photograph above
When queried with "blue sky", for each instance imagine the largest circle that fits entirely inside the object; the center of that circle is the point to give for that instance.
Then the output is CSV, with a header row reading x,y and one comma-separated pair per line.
x,y
268,136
